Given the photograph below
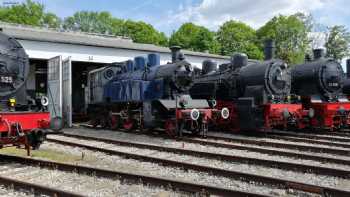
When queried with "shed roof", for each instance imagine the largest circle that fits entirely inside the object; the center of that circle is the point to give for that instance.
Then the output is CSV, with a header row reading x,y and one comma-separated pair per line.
x,y
51,35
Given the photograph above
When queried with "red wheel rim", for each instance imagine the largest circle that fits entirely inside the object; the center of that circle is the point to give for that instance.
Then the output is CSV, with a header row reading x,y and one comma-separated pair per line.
x,y
170,128
128,124
114,122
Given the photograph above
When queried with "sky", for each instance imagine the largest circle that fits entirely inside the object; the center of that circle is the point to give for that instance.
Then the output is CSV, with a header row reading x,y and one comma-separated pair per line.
x,y
168,15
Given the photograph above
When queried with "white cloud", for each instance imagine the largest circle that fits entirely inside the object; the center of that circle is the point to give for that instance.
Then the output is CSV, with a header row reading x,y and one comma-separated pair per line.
x,y
212,13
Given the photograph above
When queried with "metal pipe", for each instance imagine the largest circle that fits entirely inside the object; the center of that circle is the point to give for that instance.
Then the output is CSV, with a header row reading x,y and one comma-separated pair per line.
x,y
175,51
348,68
269,49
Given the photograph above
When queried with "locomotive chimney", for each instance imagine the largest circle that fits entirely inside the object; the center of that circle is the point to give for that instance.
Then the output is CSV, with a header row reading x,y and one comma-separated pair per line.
x,y
175,53
269,49
348,68
318,53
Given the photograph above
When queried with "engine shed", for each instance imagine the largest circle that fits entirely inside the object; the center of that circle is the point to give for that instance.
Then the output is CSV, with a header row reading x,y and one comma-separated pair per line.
x,y
60,61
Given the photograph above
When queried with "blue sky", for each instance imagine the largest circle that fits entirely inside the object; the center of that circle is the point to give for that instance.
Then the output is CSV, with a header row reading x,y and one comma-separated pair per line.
x,y
167,15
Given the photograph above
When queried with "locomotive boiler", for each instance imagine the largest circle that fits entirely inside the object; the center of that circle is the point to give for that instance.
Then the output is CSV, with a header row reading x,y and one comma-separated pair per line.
x,y
257,93
320,83
145,94
22,119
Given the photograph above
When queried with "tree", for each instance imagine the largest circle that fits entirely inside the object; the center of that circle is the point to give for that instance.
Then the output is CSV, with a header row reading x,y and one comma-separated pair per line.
x,y
234,36
142,32
290,35
93,22
194,37
105,23
29,13
337,43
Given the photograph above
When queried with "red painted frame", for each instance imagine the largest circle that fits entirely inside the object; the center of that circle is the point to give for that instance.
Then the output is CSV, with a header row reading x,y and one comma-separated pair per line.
x,y
28,120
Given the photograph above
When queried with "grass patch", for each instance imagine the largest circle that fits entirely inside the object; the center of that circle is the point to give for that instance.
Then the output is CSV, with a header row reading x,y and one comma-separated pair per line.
x,y
42,154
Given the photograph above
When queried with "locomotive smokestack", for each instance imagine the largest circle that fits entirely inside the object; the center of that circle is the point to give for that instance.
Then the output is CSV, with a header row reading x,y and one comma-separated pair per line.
x,y
319,53
348,68
175,53
269,49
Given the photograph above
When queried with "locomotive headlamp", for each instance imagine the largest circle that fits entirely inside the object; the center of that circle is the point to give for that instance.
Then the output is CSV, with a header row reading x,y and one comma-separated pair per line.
x,y
12,102
194,114
285,113
44,101
311,113
225,113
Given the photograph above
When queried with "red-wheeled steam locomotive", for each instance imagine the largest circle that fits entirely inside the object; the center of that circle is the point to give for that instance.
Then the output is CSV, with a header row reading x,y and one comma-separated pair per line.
x,y
23,120
319,83
257,93
145,94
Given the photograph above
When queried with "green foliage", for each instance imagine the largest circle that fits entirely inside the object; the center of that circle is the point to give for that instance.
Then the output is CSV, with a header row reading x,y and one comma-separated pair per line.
x,y
194,37
337,43
144,33
93,22
29,13
235,36
105,23
290,35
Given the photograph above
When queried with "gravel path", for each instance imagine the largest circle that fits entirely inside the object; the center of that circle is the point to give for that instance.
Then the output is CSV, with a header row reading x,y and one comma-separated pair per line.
x,y
82,184
259,170
197,147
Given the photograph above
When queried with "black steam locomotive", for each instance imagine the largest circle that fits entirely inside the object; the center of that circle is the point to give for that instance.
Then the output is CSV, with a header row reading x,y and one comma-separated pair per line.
x,y
257,93
22,119
319,83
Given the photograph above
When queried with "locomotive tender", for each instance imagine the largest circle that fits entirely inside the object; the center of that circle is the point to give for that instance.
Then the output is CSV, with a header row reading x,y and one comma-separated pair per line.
x,y
144,94
319,83
257,93
23,120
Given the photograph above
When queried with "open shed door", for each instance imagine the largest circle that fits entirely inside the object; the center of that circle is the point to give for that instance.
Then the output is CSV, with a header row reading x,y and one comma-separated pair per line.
x,y
67,91
54,88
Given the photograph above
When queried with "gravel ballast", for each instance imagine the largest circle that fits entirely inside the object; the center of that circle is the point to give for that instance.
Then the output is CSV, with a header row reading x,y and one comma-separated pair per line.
x,y
78,183
241,167
191,146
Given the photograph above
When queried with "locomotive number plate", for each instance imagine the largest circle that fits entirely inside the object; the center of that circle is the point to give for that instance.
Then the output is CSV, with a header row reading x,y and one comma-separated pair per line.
x,y
333,84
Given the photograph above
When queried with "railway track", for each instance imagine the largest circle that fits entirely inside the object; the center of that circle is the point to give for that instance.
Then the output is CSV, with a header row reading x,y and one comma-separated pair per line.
x,y
329,136
264,143
282,183
322,159
235,159
232,158
263,147
147,181
342,149
35,189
